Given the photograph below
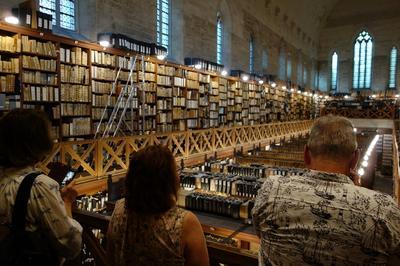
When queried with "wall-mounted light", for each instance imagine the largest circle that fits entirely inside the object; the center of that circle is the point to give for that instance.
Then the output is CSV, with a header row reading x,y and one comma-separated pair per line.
x,y
197,66
245,77
299,91
224,72
373,96
364,163
273,84
261,82
346,96
104,39
161,57
354,130
292,90
11,20
284,88
104,43
361,171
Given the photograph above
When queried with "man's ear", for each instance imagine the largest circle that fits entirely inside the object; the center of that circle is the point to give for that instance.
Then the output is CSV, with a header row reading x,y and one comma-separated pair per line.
x,y
307,156
354,159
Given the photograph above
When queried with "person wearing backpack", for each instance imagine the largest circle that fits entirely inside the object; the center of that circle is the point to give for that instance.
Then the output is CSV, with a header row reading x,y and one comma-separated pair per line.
x,y
36,227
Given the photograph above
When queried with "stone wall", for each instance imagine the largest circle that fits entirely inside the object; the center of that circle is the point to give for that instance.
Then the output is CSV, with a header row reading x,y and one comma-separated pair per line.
x,y
193,30
306,31
381,19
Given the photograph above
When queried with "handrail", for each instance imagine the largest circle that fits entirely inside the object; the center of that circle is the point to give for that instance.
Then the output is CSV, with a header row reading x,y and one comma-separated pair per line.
x,y
102,157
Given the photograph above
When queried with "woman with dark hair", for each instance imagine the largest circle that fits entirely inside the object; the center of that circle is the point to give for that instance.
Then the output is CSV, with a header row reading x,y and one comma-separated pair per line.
x,y
147,228
24,141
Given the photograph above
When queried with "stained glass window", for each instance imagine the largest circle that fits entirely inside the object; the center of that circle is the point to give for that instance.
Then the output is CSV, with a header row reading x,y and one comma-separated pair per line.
x,y
334,71
163,23
393,68
219,40
300,71
282,64
265,59
63,12
67,14
362,61
289,67
49,7
305,75
251,54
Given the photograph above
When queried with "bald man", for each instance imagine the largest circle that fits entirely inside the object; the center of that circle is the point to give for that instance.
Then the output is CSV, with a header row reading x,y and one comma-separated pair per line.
x,y
322,217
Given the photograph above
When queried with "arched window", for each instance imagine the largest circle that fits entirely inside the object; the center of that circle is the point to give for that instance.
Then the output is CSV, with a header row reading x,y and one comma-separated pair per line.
x,y
289,67
300,71
305,75
265,59
219,39
393,68
362,61
334,71
282,64
63,12
251,54
163,23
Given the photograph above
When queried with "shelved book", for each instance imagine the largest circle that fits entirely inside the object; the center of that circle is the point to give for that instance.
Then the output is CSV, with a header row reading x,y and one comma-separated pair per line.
x,y
10,65
38,47
40,93
10,44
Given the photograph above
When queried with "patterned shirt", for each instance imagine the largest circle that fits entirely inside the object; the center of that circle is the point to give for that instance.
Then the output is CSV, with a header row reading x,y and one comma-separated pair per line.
x,y
142,240
45,212
322,218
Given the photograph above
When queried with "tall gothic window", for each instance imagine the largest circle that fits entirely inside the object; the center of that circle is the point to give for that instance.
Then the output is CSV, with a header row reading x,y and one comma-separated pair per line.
x,y
163,7
282,64
251,55
63,12
289,67
219,39
393,68
362,61
334,71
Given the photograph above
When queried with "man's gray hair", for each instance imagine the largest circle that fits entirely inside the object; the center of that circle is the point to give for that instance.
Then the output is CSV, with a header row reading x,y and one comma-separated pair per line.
x,y
332,137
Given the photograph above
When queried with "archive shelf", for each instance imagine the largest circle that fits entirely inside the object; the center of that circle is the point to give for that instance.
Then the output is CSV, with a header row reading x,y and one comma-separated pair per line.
x,y
168,98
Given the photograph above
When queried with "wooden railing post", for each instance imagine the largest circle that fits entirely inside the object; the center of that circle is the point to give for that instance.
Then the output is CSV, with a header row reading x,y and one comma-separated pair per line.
x,y
188,134
213,139
99,157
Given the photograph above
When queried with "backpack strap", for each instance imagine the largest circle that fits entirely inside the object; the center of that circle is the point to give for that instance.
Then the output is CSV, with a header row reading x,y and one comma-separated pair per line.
x,y
21,202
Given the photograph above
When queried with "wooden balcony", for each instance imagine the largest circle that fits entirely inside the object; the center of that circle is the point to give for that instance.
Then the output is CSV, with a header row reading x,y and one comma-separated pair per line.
x,y
103,157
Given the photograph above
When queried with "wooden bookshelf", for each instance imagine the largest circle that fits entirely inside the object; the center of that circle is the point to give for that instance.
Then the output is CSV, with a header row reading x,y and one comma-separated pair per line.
x,y
61,76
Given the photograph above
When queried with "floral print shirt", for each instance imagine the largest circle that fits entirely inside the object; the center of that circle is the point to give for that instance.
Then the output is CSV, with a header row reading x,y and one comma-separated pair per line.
x,y
45,212
322,218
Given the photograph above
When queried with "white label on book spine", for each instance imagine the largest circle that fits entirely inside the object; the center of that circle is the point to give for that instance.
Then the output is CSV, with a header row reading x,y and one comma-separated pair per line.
x,y
28,19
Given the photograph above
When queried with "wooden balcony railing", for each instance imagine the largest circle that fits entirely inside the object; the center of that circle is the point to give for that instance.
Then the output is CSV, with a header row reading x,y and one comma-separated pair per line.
x,y
102,157
386,110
